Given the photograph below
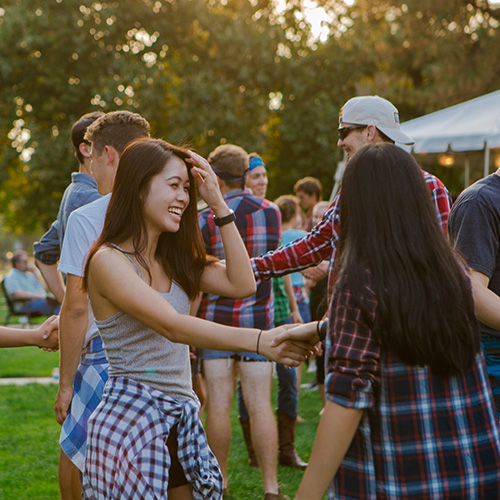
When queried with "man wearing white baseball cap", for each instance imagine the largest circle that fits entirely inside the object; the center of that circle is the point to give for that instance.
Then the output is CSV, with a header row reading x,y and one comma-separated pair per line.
x,y
368,120
363,121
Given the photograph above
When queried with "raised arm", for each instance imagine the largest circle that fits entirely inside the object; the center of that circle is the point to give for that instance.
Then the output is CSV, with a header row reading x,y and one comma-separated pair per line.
x,y
234,276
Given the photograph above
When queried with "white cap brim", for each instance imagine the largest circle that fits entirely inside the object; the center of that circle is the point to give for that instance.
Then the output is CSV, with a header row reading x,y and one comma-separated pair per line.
x,y
396,135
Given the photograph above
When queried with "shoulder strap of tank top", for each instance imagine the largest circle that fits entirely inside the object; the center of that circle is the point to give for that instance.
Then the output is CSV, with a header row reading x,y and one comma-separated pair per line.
x,y
128,257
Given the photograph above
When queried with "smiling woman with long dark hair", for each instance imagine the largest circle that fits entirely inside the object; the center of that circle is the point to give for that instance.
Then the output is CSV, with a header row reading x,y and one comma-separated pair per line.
x,y
409,412
149,263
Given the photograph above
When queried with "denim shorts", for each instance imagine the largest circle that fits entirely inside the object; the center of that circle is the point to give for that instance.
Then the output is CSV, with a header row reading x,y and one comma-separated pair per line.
x,y
237,356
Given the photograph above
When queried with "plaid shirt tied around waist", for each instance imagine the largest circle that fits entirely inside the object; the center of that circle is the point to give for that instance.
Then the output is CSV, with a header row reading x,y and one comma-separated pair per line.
x,y
127,456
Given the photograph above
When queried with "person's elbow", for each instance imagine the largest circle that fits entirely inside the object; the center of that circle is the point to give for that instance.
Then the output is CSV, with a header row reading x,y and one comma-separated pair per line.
x,y
245,289
74,310
479,283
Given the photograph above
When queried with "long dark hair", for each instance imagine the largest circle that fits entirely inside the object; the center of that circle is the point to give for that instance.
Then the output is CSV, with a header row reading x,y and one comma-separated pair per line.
x,y
390,236
182,253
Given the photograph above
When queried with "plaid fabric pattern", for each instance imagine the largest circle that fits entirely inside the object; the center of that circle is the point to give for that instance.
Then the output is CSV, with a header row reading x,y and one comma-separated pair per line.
x,y
281,305
127,455
441,199
421,436
320,243
258,222
90,379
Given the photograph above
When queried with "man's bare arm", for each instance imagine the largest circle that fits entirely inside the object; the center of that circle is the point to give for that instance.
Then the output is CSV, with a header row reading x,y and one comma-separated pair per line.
x,y
73,324
292,301
487,302
53,279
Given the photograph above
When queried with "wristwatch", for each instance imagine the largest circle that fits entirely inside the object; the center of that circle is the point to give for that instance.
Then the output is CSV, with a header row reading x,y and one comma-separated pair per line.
x,y
227,219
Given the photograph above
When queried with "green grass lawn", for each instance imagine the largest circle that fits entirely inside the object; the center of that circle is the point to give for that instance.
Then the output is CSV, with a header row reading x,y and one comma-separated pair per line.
x,y
29,435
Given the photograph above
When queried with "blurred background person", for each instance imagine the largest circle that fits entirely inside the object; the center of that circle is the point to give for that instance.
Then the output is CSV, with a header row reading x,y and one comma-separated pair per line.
x,y
23,286
308,192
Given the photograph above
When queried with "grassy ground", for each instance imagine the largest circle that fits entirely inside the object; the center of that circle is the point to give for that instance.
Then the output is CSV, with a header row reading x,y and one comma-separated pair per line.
x,y
28,443
29,434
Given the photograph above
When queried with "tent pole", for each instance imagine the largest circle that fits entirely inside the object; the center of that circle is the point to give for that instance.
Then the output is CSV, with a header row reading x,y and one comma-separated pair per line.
x,y
338,177
486,160
467,171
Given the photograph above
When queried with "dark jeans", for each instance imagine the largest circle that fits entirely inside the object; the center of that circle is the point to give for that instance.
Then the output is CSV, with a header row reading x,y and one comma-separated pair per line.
x,y
44,307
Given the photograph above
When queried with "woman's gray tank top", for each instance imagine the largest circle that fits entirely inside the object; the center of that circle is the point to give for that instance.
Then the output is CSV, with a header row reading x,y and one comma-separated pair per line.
x,y
138,352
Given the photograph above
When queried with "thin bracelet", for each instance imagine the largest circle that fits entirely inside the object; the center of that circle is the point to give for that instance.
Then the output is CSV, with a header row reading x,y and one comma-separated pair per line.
x,y
258,342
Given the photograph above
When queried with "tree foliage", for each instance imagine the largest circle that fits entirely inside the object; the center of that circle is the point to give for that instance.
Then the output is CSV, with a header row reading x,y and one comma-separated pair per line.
x,y
210,71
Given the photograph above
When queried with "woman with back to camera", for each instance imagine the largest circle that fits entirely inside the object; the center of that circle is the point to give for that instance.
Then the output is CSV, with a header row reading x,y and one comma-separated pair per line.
x,y
145,437
409,411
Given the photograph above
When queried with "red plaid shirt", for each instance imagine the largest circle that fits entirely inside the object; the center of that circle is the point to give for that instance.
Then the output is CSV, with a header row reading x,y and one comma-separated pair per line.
x,y
320,243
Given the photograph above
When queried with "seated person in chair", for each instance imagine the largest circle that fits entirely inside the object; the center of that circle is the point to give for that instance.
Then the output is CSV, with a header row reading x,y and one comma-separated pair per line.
x,y
23,286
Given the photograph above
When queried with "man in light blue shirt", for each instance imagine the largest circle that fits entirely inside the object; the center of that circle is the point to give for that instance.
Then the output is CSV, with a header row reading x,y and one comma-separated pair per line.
x,y
82,360
21,284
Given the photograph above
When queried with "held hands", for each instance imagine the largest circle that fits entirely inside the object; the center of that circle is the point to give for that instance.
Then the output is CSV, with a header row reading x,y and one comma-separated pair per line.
x,y
278,345
208,184
49,334
306,333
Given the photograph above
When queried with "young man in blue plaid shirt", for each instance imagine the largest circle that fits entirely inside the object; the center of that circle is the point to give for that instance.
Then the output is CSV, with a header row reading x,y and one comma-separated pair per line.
x,y
258,222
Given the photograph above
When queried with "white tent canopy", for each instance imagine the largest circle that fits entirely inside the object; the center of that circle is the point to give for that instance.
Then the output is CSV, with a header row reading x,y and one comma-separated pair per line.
x,y
469,126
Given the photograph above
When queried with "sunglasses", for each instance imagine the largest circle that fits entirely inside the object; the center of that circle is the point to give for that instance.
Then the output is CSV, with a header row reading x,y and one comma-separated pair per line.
x,y
345,131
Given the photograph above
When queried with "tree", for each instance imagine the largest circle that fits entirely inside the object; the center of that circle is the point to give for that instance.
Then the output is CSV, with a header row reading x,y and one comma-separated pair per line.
x,y
426,55
199,72
210,71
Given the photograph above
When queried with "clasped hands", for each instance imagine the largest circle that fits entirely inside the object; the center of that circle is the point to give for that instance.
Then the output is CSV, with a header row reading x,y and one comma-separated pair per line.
x,y
49,334
290,344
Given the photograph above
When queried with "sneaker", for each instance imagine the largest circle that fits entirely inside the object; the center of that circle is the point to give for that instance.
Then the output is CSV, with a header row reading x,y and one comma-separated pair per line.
x,y
313,386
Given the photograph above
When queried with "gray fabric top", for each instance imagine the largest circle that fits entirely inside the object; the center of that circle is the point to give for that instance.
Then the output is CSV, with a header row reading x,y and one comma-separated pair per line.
x,y
138,352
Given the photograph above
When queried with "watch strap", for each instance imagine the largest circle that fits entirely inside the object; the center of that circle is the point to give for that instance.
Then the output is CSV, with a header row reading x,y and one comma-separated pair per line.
x,y
227,219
